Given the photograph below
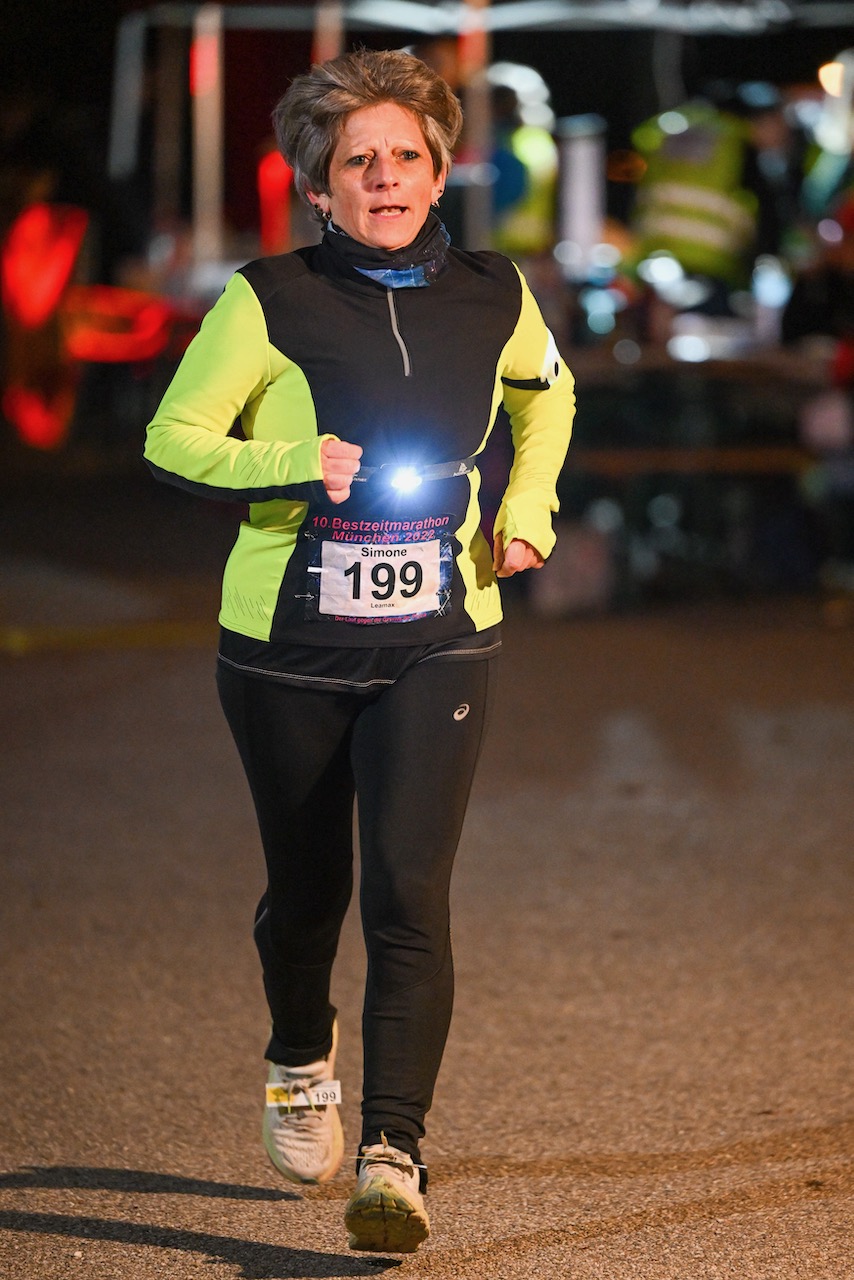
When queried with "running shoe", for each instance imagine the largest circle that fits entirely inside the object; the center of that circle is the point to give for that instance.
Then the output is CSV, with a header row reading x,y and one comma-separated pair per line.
x,y
302,1128
386,1211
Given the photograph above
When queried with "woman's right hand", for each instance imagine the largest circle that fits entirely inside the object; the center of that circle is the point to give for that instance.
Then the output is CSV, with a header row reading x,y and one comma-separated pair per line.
x,y
340,462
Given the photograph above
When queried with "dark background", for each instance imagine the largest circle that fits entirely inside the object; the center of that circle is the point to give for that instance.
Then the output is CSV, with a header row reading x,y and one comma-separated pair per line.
x,y
63,51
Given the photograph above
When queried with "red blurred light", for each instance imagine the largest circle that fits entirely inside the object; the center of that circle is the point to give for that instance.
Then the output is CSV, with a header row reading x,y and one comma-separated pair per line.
x,y
843,363
37,260
109,325
274,183
204,65
40,420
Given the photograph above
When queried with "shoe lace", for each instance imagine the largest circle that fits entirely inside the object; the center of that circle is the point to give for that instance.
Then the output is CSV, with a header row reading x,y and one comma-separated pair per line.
x,y
300,1114
382,1153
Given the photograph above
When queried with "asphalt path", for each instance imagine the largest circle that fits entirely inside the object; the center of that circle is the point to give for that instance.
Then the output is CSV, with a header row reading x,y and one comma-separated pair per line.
x,y
649,1074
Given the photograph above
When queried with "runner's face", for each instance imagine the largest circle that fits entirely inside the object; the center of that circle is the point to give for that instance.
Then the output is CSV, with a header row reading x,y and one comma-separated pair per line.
x,y
381,179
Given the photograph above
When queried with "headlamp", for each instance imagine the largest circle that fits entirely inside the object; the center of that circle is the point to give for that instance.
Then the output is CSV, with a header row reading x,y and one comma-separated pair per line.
x,y
405,479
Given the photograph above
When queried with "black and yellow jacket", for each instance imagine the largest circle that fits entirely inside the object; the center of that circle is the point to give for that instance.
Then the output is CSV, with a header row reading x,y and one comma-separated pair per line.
x,y
303,347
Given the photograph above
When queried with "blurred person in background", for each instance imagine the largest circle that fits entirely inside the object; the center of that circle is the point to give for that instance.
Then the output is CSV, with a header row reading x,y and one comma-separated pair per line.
x,y
774,164
721,185
525,157
692,201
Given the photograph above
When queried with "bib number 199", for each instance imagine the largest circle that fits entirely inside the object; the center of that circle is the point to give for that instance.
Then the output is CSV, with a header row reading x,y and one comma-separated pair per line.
x,y
366,580
385,576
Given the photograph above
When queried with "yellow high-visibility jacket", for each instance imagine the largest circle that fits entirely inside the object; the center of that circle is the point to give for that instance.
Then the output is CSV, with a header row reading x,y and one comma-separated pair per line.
x,y
691,201
301,348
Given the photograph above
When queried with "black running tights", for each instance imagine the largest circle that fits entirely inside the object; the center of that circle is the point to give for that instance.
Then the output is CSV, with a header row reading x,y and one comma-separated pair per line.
x,y
409,754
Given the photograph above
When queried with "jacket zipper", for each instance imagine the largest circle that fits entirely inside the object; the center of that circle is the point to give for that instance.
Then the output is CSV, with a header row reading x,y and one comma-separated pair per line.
x,y
395,328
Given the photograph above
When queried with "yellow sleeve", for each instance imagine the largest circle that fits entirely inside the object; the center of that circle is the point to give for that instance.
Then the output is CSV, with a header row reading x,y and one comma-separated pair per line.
x,y
229,364
541,419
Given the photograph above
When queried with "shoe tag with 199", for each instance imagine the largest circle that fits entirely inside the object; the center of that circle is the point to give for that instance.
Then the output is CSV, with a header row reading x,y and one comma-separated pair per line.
x,y
323,1094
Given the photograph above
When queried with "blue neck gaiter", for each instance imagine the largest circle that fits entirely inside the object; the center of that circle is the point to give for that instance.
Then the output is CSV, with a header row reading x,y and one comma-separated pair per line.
x,y
413,267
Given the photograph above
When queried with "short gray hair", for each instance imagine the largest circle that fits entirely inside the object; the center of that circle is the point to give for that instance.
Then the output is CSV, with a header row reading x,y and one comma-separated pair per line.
x,y
309,119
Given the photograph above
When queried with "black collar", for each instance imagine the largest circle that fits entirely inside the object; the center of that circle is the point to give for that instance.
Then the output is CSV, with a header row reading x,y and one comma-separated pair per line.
x,y
426,255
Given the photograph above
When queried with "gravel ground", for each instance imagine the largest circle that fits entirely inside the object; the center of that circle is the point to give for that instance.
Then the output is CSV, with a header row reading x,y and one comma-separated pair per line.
x,y
649,1075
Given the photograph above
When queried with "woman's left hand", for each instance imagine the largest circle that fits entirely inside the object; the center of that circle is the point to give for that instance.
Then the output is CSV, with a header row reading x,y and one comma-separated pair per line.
x,y
518,557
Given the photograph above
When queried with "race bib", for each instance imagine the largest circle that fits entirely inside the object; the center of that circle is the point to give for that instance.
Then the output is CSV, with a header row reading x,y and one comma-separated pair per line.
x,y
371,581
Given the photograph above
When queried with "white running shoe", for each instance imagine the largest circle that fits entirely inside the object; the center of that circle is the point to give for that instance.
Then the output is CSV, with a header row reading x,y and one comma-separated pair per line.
x,y
302,1132
386,1211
